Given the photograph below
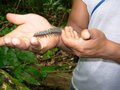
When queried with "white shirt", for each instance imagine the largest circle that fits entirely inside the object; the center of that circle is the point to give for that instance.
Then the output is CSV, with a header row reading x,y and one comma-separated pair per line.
x,y
95,73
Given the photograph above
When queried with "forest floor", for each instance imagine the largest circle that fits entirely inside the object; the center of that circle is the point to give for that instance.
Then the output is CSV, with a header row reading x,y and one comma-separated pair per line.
x,y
60,79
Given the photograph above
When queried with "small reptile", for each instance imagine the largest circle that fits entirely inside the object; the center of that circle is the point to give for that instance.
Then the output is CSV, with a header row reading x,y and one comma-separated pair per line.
x,y
54,31
57,31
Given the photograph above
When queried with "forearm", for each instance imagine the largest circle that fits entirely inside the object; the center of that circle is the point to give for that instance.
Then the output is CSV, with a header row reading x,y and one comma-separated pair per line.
x,y
78,20
111,51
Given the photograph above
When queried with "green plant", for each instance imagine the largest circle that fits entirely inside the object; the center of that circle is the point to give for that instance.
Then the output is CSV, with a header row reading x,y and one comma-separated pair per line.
x,y
20,65
49,54
19,68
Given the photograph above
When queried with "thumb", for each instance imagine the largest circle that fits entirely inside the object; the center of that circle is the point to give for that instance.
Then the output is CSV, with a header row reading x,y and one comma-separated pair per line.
x,y
15,18
85,34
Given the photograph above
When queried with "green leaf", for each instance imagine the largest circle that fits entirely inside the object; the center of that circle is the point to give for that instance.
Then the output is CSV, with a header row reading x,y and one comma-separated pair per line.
x,y
30,79
3,58
49,54
2,18
18,71
12,58
1,79
5,31
26,56
45,70
35,73
28,74
12,80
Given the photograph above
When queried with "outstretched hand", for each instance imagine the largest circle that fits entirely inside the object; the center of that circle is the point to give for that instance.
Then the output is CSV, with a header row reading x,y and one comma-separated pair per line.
x,y
22,36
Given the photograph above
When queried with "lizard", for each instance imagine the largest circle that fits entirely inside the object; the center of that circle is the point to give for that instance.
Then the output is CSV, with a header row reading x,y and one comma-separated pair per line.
x,y
50,31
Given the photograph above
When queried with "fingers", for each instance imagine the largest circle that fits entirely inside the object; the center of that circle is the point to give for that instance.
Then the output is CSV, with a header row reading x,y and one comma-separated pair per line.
x,y
8,41
39,45
35,45
76,35
69,33
16,18
15,42
21,43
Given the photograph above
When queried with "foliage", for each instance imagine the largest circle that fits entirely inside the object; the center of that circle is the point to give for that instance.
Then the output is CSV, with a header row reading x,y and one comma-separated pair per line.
x,y
49,54
18,68
19,64
10,83
56,11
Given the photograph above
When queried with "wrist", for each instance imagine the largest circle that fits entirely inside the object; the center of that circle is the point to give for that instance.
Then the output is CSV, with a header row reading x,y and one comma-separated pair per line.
x,y
111,51
62,46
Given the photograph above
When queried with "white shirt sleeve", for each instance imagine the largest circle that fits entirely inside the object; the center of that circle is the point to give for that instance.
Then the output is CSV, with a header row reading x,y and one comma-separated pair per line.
x,y
91,5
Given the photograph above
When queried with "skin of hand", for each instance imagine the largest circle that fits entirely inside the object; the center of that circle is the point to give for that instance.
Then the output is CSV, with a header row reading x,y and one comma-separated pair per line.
x,y
22,36
98,45
91,43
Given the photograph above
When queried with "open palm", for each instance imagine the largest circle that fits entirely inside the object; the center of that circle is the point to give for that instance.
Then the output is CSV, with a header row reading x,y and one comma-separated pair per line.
x,y
27,25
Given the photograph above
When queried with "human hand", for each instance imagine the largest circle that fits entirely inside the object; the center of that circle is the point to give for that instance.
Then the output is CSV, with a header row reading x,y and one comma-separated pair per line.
x,y
22,36
91,43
